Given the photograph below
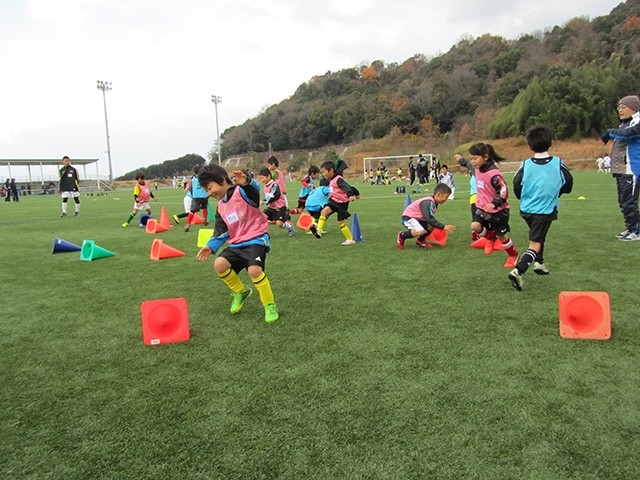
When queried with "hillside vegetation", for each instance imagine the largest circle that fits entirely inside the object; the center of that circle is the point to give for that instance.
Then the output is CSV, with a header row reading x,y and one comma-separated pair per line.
x,y
569,77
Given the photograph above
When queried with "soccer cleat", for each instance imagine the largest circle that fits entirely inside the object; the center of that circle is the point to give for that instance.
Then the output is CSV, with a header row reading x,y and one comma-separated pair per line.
x,y
540,268
511,262
77,214
630,237
489,246
186,227
205,223
423,243
315,231
622,234
176,219
516,279
349,242
290,230
63,215
238,300
125,224
271,312
400,241
309,232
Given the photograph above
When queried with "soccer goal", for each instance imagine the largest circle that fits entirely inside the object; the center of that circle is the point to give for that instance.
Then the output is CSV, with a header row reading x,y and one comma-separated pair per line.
x,y
393,162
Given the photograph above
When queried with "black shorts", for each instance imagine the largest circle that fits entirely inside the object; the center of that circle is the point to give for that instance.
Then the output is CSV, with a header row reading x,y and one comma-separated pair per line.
x,y
538,225
315,214
302,201
244,257
199,203
342,209
498,221
273,214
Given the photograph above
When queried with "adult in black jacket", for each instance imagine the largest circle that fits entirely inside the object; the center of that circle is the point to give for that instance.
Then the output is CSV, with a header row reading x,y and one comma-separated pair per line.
x,y
69,186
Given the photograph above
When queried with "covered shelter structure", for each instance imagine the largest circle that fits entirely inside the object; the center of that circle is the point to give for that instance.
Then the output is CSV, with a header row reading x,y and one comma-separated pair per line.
x,y
40,164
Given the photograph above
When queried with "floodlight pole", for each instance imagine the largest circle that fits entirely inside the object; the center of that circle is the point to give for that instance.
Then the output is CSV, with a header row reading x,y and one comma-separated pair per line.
x,y
105,87
216,100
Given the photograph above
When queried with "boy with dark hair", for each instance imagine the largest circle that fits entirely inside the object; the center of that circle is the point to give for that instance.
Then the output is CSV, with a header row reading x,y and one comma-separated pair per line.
x,y
276,210
199,201
341,194
307,187
538,184
69,186
141,195
273,164
240,223
419,217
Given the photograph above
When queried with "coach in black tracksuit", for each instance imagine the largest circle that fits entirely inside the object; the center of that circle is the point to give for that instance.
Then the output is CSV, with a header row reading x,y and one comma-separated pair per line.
x,y
69,186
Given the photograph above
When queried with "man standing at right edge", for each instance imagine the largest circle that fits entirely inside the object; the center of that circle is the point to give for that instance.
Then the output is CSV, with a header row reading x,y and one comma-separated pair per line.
x,y
625,165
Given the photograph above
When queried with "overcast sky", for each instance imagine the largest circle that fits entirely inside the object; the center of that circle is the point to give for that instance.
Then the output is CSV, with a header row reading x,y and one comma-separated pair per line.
x,y
165,58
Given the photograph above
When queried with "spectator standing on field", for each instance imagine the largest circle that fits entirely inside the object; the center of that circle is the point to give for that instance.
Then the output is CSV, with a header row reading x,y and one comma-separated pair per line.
x,y
69,186
626,164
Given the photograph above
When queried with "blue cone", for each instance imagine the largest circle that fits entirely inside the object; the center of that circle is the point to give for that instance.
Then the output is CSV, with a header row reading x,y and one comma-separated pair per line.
x,y
355,229
62,246
144,219
407,202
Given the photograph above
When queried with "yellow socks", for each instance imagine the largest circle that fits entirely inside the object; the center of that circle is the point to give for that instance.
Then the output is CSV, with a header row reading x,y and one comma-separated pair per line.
x,y
264,289
231,279
321,223
344,228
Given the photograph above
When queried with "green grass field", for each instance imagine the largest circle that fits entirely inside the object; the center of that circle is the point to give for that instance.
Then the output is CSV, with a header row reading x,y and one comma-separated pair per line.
x,y
384,364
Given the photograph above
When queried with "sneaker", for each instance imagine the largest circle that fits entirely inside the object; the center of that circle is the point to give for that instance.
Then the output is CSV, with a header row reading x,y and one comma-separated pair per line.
x,y
186,227
516,279
63,215
176,219
511,262
349,242
423,243
489,246
630,237
77,214
238,299
400,241
622,234
125,224
205,223
540,268
315,231
271,312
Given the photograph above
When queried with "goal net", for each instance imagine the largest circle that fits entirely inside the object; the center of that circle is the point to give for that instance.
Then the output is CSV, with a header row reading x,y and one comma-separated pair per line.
x,y
393,163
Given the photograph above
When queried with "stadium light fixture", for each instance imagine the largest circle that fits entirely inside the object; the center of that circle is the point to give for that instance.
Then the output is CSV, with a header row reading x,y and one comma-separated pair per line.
x,y
105,87
216,100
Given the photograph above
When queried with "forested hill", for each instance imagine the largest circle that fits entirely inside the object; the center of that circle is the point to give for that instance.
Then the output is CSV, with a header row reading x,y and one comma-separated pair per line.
x,y
569,77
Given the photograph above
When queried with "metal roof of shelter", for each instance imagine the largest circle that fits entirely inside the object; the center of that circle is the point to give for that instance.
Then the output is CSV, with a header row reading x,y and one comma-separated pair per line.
x,y
44,161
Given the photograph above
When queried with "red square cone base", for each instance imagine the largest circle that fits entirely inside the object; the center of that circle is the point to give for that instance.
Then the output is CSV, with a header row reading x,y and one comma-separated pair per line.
x,y
165,321
585,315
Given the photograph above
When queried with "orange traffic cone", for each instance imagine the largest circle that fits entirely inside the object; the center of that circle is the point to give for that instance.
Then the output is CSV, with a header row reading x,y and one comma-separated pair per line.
x,y
154,227
197,219
164,218
497,245
438,236
164,321
479,243
305,221
159,251
585,315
